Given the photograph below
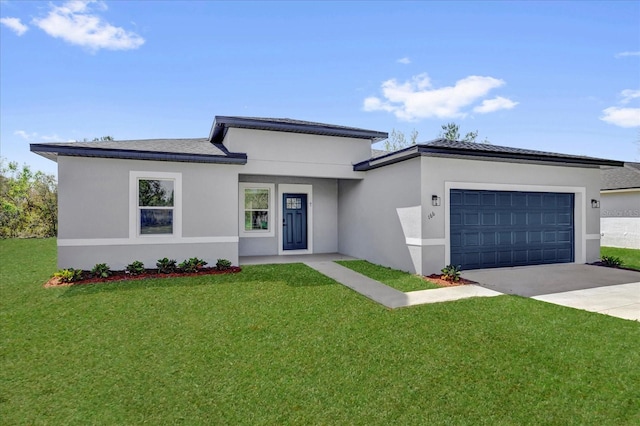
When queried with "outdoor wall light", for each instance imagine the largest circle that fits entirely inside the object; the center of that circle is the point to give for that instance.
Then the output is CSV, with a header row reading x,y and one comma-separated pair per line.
x,y
595,204
435,200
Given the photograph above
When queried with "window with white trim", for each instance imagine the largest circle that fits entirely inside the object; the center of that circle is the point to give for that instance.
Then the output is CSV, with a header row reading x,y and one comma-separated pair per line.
x,y
256,209
155,204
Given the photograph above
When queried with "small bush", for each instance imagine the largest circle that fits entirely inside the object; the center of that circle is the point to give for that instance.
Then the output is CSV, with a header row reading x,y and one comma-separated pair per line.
x,y
101,270
223,264
451,273
192,265
135,268
166,266
69,275
611,261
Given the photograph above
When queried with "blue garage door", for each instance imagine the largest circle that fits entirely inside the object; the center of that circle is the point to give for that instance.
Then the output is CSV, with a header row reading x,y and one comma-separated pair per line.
x,y
491,229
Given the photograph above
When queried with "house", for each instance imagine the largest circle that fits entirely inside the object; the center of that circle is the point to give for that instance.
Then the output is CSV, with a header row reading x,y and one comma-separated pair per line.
x,y
262,186
620,206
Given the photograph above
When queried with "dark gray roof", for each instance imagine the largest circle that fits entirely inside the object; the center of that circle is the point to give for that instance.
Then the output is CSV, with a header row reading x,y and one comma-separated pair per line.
x,y
222,123
444,147
627,177
375,153
189,150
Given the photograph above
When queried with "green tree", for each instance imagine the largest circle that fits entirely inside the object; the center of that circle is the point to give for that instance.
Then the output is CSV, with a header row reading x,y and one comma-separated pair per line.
x,y
28,202
100,139
397,140
451,131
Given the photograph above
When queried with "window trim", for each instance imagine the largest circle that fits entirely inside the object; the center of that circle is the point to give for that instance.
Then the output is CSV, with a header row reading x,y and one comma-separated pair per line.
x,y
242,186
134,208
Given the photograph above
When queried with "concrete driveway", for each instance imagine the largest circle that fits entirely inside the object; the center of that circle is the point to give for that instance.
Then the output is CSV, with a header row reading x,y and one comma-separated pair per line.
x,y
612,291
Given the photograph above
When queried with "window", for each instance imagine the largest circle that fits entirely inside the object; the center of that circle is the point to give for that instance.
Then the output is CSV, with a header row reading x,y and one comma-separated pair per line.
x,y
155,200
256,209
155,203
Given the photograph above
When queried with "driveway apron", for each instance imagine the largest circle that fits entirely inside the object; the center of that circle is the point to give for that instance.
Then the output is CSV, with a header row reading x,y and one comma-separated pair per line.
x,y
529,281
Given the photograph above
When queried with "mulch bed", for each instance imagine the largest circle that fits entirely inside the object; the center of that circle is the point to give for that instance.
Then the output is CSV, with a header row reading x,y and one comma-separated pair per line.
x,y
435,278
149,273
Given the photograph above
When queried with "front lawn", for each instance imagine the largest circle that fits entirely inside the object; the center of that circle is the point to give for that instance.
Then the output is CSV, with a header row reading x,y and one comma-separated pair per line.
x,y
630,257
282,344
399,280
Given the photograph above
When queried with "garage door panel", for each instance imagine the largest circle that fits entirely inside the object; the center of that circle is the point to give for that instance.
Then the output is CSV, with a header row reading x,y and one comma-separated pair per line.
x,y
488,239
519,218
471,239
505,228
504,218
534,218
471,198
489,219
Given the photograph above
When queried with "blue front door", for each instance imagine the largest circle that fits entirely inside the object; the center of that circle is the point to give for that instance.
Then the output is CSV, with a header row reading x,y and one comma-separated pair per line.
x,y
294,221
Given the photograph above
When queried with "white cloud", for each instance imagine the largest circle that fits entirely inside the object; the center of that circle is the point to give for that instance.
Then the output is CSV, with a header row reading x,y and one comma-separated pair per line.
x,y
404,60
628,95
25,135
77,24
624,54
495,104
15,25
623,117
35,136
416,99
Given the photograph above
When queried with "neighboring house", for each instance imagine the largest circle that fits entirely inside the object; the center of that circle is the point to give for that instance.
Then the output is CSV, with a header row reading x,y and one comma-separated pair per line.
x,y
261,186
620,206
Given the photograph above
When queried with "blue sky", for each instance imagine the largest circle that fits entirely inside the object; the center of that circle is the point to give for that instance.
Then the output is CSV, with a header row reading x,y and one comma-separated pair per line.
x,y
553,76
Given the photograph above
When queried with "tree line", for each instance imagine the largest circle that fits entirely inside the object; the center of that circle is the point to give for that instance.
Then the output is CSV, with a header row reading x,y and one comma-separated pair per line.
x,y
29,202
450,131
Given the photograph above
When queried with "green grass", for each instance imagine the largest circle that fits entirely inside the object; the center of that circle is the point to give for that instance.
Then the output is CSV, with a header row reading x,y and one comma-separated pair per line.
x,y
399,280
285,345
630,257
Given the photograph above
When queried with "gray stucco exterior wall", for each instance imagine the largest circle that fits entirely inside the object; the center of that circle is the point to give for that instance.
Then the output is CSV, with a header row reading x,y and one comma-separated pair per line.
x,y
95,213
443,174
414,235
379,213
620,218
325,216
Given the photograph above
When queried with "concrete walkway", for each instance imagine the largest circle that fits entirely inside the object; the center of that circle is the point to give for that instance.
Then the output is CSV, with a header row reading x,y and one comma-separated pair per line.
x,y
390,297
622,301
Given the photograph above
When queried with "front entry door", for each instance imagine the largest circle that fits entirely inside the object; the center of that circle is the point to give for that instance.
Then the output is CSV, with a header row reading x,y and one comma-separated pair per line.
x,y
294,221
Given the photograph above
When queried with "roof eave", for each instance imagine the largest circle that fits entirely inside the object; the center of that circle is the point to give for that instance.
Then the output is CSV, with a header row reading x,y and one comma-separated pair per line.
x,y
423,149
49,151
222,123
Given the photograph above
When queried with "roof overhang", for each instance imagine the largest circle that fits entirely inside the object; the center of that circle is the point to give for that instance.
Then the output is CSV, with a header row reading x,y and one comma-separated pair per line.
x,y
221,125
479,154
51,151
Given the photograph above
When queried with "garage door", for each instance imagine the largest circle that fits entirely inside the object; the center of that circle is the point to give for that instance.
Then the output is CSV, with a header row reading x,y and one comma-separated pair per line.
x,y
491,229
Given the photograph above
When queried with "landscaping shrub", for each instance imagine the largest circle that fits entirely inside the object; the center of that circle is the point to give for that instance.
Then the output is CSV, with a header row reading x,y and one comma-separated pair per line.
x,y
192,265
223,264
135,268
101,270
451,273
69,275
611,261
166,266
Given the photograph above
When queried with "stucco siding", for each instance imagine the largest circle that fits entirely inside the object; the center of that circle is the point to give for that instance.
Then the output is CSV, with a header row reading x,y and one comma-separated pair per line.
x,y
95,215
93,202
442,174
119,256
295,154
324,209
381,214
620,218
